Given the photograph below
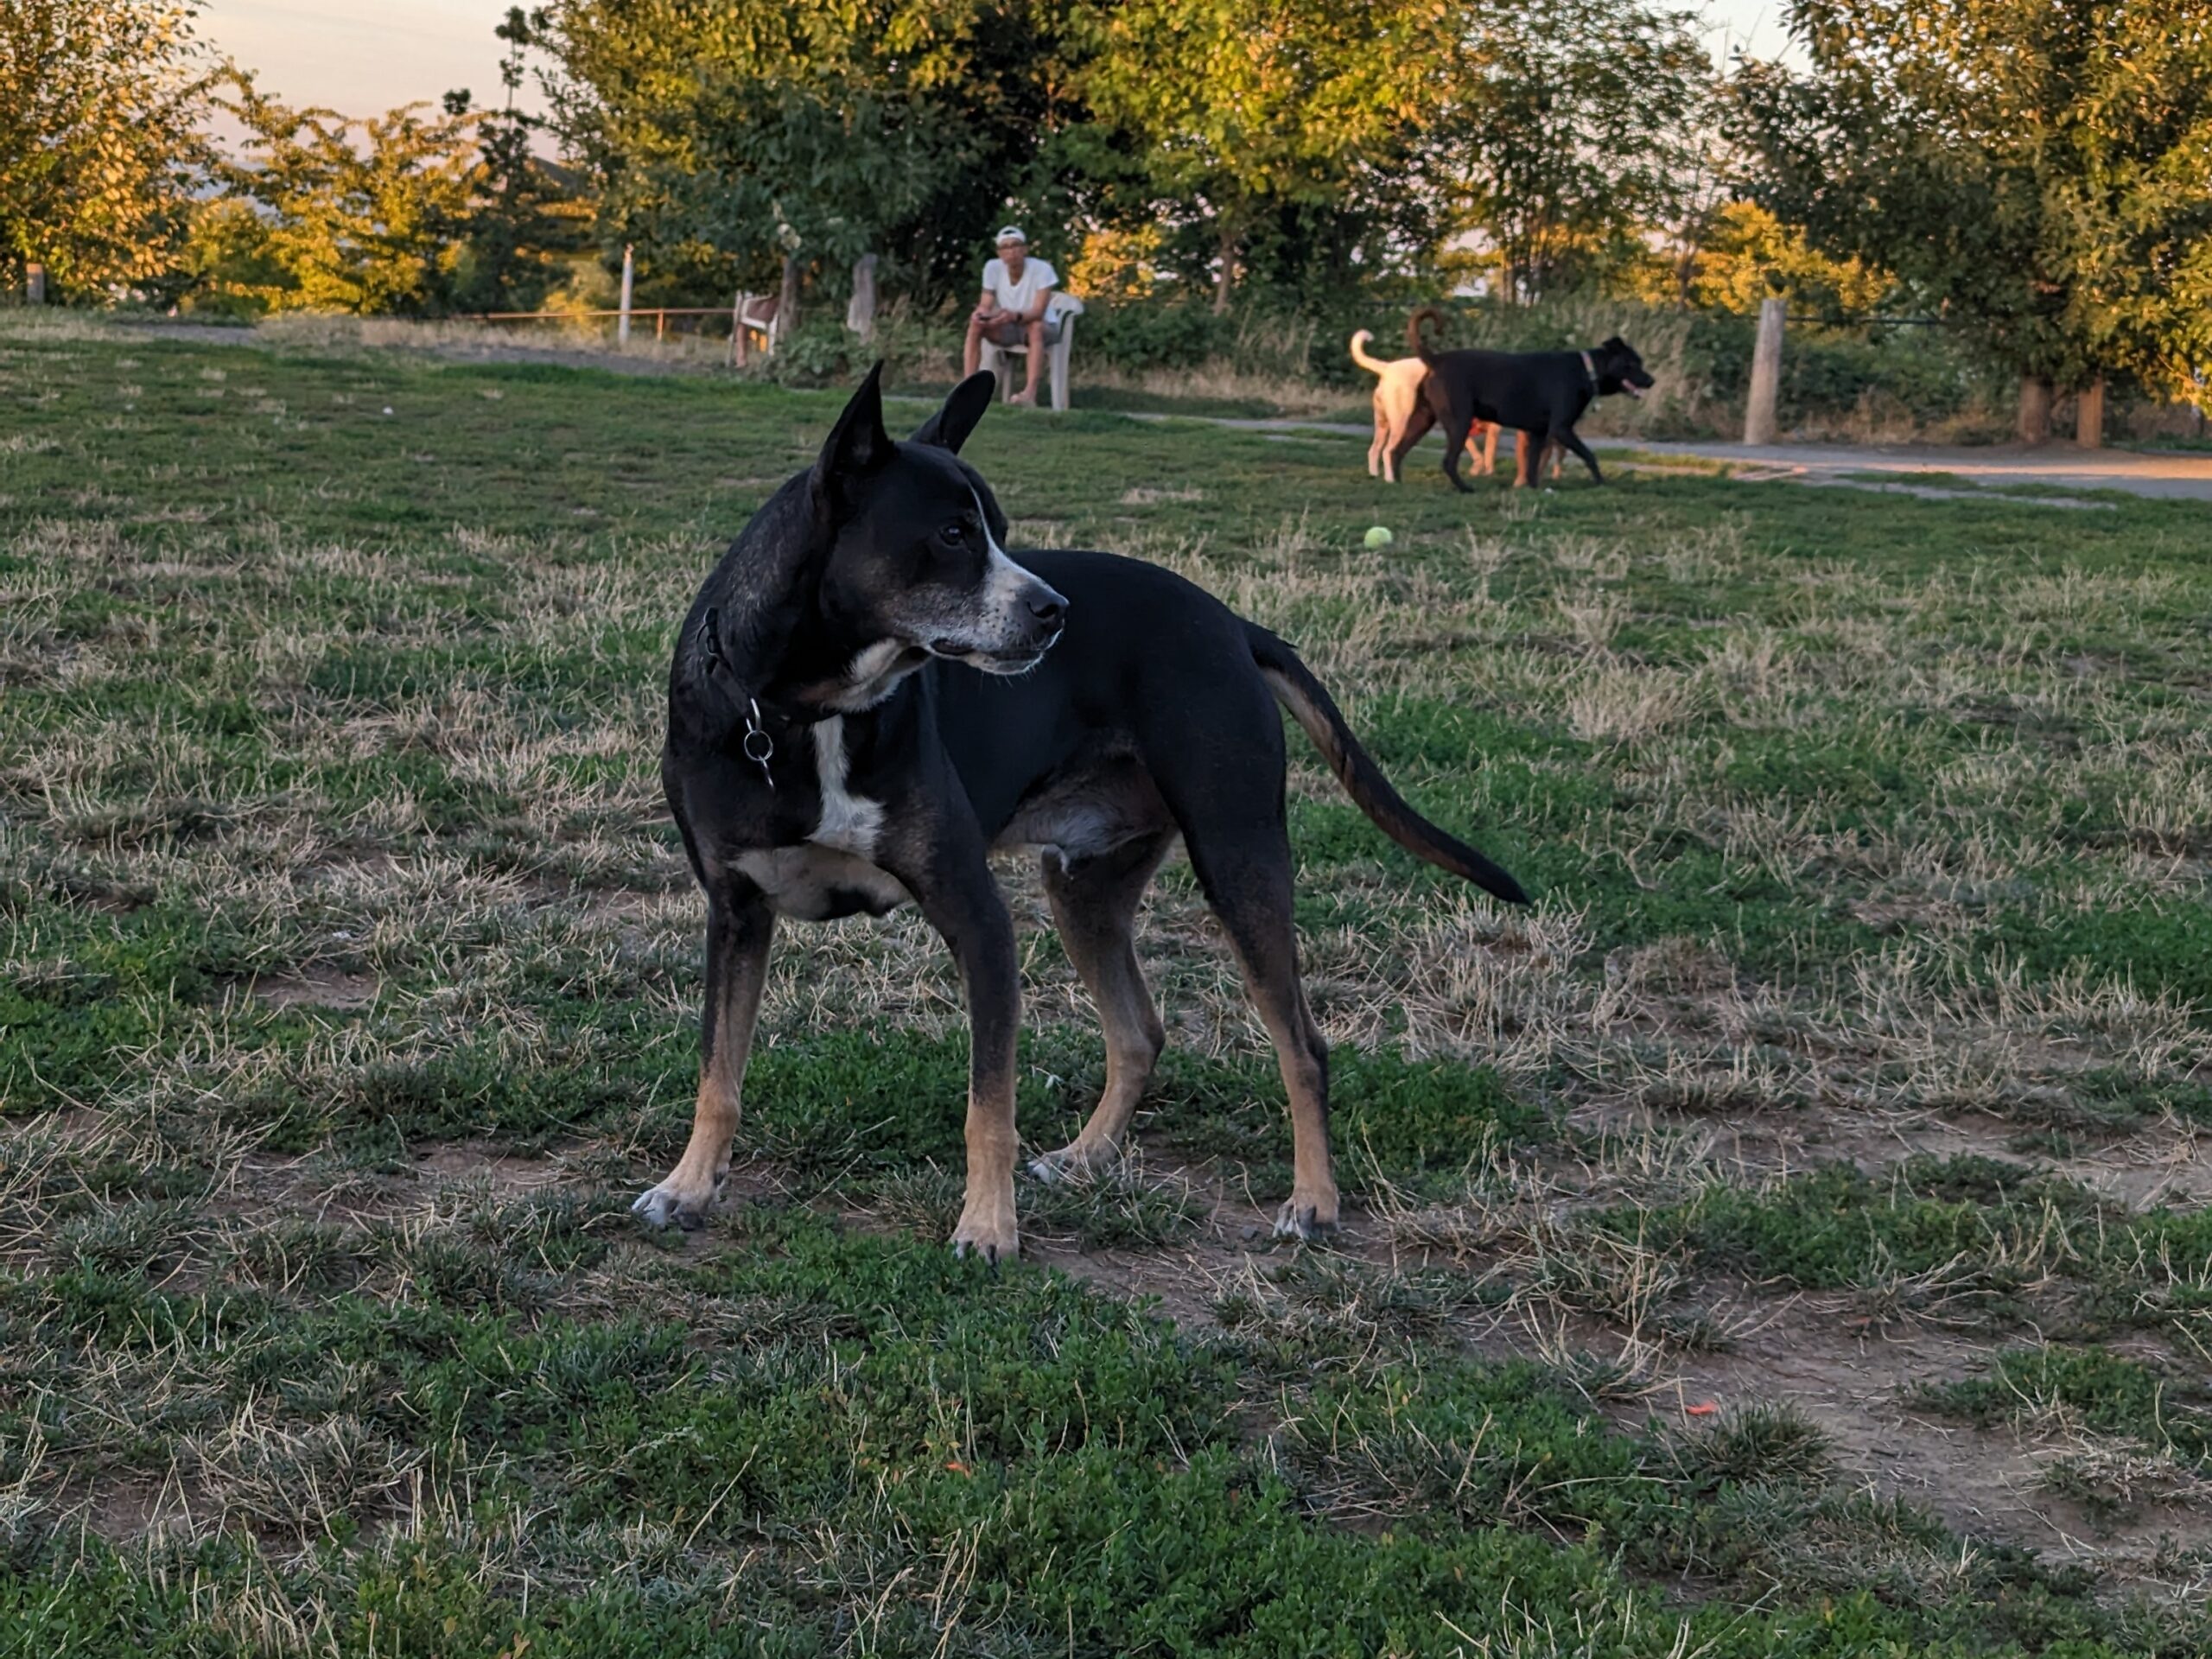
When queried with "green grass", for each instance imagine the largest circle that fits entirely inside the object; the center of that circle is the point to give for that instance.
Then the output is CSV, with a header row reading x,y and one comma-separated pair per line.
x,y
350,991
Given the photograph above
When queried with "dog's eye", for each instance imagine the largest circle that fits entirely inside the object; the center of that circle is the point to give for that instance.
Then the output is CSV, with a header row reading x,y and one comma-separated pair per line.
x,y
953,535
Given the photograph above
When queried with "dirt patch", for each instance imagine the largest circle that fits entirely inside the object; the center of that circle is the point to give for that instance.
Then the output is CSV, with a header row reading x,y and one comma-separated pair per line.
x,y
133,1509
1857,1384
459,1162
316,988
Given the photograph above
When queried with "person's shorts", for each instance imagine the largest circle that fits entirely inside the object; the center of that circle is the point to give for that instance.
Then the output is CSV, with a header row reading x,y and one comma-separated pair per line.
x,y
1017,333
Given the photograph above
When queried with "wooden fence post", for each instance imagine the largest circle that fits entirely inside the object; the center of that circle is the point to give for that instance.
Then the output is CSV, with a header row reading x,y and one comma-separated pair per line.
x,y
1766,375
2089,415
2034,425
787,298
859,315
740,351
622,322
34,283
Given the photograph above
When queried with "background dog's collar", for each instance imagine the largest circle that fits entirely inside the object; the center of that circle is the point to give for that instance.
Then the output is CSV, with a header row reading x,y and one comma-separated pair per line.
x,y
1588,367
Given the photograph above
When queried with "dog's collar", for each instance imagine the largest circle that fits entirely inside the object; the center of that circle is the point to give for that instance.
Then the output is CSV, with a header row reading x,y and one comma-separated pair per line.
x,y
762,726
1588,367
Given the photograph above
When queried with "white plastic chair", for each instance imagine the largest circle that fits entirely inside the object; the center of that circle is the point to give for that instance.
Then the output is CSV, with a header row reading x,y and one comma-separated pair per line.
x,y
756,314
1062,309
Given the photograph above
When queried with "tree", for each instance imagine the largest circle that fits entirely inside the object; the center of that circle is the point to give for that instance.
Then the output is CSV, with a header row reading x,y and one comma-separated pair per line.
x,y
333,215
1744,254
734,140
1574,130
101,108
526,222
2036,169
1243,115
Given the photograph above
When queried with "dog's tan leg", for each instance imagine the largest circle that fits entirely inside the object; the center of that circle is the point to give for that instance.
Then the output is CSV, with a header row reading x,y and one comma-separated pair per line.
x,y
1527,457
1094,907
1490,449
739,928
945,868
1271,978
1247,878
987,1220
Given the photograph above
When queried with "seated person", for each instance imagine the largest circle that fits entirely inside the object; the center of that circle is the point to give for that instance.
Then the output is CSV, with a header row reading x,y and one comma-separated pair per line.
x,y
1016,290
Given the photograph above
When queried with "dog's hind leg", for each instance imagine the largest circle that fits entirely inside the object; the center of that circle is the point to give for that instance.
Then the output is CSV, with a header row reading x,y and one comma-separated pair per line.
x,y
1416,428
1094,904
1246,877
1456,427
740,927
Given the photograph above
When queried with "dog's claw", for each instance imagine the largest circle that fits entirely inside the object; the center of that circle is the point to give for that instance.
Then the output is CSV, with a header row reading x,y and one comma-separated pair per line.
x,y
994,1240
1303,1220
664,1204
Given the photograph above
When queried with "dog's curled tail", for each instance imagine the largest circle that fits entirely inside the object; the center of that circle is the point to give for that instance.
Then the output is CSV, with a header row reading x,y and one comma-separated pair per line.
x,y
1359,354
1317,715
1415,342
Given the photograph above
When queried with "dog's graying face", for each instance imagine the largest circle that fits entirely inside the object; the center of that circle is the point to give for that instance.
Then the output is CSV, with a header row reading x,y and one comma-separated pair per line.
x,y
915,567
1619,369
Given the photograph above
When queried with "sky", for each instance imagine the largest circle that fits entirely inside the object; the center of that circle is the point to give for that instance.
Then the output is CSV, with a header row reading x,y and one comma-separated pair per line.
x,y
362,57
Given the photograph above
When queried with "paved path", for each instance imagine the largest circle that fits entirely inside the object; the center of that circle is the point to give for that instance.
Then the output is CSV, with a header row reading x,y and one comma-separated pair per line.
x,y
2184,475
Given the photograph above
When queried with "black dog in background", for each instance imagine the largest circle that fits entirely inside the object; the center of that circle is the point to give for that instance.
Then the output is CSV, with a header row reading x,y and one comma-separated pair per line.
x,y
1540,395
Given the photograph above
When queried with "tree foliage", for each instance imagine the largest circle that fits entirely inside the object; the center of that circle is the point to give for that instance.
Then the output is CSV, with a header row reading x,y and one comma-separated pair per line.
x,y
1244,115
724,137
528,222
2036,168
332,214
1573,128
102,110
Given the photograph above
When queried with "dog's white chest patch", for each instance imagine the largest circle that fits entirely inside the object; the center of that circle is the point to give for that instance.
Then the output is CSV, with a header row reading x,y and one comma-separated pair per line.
x,y
832,874
849,822
875,672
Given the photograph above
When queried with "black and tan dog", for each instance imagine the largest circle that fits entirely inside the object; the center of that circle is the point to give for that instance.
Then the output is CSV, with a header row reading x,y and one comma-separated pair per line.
x,y
869,695
1540,395
1402,417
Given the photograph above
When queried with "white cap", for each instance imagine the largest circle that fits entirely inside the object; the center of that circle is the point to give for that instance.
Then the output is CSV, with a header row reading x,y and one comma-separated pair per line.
x,y
1011,233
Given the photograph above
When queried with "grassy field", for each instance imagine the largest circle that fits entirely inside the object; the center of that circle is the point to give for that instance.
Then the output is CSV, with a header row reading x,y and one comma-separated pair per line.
x,y
1790,1238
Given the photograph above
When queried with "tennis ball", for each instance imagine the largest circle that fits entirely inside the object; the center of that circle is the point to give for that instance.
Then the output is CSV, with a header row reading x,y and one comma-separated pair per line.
x,y
1379,537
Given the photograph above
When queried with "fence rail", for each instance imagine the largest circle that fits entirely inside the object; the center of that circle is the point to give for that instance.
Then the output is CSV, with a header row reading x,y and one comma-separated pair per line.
x,y
659,314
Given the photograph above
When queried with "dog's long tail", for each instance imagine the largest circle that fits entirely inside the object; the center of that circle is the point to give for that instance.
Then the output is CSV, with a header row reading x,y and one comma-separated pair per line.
x,y
1359,354
1317,715
1415,342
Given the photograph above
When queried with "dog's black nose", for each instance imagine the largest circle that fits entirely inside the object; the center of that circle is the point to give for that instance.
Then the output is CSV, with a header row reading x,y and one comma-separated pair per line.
x,y
1049,608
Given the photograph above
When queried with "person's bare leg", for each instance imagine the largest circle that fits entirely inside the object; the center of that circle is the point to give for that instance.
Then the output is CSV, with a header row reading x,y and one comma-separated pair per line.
x,y
972,357
1028,393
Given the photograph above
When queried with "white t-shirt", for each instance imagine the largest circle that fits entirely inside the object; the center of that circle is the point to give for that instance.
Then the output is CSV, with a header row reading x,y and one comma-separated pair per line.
x,y
1036,277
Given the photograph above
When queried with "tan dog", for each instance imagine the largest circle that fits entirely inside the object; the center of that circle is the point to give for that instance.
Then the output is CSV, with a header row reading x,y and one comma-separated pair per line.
x,y
1402,417
1402,414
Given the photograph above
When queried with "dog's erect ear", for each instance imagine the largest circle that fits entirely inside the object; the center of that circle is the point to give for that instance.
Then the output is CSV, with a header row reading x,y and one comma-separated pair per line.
x,y
858,444
948,427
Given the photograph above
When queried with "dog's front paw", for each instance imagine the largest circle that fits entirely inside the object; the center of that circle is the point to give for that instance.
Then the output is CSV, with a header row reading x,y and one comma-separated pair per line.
x,y
675,1200
1307,1217
988,1232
